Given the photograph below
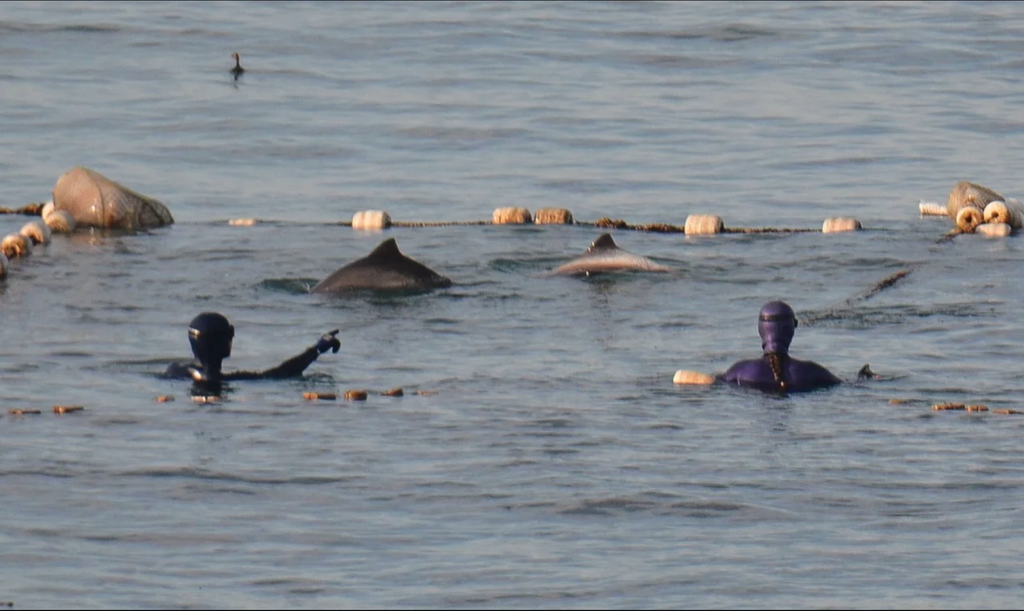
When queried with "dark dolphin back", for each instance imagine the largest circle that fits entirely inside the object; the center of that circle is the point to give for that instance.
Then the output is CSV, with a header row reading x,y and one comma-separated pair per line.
x,y
385,251
387,256
385,268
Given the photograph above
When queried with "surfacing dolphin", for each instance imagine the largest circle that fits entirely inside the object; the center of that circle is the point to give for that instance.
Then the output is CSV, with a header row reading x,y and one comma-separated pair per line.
x,y
386,268
605,256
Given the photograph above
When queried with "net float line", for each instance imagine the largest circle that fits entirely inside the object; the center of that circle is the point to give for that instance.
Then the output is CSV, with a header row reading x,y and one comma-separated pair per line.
x,y
62,221
351,395
319,396
604,223
37,232
32,234
434,224
977,209
710,224
26,210
957,407
67,409
696,224
16,246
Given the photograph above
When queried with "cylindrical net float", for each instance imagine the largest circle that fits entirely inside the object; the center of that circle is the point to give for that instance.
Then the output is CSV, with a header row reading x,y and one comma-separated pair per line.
x,y
511,216
1008,212
703,224
837,225
993,230
371,220
684,376
969,217
37,231
553,216
15,245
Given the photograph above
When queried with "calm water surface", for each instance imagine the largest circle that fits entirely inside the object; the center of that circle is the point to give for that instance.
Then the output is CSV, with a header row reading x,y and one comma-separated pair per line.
x,y
550,462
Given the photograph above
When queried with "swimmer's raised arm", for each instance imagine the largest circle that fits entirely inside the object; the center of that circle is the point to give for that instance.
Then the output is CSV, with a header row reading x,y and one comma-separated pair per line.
x,y
294,366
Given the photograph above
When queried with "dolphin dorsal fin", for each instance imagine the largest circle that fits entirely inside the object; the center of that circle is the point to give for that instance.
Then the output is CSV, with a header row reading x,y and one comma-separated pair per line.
x,y
385,251
602,243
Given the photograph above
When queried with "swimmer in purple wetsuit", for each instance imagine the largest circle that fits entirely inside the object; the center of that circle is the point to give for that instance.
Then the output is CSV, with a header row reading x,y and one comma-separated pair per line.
x,y
776,371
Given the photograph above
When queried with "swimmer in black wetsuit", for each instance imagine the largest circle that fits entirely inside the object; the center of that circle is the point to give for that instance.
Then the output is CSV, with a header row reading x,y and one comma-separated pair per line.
x,y
211,334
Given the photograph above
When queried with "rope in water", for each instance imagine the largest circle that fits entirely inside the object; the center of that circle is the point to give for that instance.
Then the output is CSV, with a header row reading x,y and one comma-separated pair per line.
x,y
696,224
27,210
607,223
603,223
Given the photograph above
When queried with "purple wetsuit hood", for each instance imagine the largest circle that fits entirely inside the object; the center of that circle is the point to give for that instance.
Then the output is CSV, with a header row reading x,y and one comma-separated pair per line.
x,y
776,323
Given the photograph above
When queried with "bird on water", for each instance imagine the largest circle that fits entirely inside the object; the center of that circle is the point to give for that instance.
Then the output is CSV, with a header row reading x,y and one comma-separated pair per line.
x,y
238,69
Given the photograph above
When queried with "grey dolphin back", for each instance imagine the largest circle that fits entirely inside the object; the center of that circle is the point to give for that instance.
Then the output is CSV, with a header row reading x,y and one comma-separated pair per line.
x,y
96,201
604,256
385,268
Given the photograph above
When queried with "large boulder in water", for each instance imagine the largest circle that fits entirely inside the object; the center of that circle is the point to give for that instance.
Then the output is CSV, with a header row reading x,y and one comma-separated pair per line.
x,y
96,201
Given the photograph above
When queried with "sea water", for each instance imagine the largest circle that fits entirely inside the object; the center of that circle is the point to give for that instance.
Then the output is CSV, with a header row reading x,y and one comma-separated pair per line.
x,y
541,455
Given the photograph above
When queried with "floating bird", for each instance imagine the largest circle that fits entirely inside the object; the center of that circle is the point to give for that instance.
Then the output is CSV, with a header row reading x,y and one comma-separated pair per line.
x,y
238,69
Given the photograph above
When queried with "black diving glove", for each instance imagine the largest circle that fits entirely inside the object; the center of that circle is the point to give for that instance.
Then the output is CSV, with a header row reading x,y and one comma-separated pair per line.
x,y
328,341
865,373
